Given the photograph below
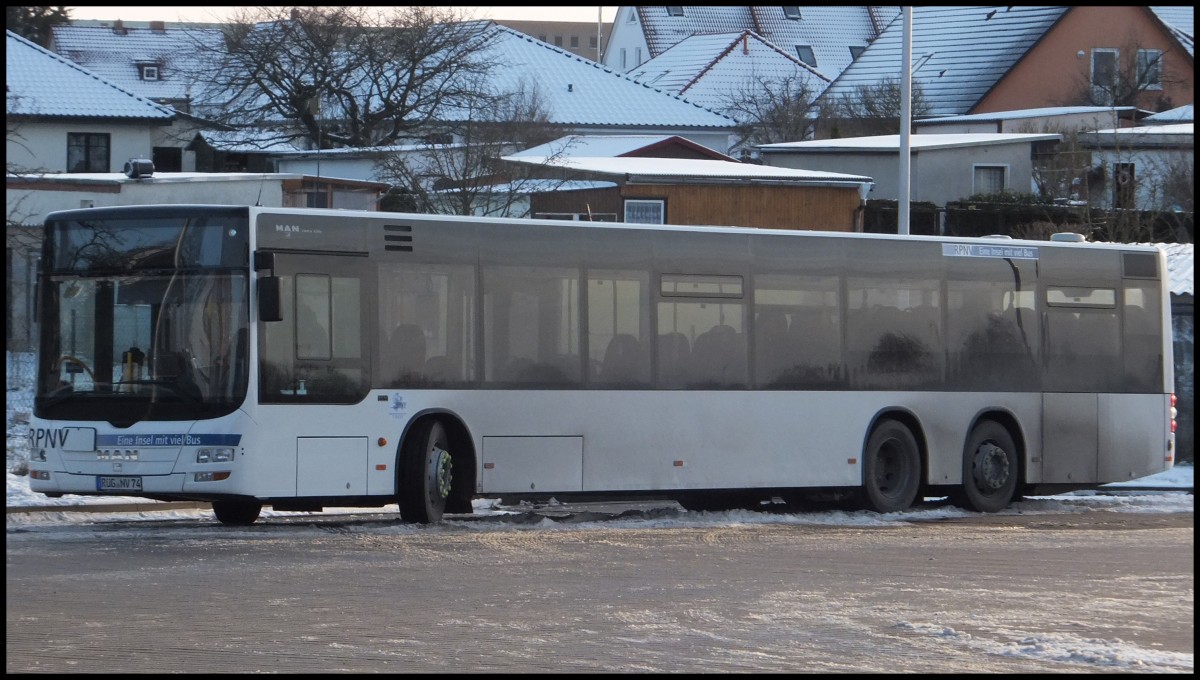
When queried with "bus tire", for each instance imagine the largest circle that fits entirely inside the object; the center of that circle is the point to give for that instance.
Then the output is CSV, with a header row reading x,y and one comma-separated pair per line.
x,y
990,468
236,513
891,468
425,473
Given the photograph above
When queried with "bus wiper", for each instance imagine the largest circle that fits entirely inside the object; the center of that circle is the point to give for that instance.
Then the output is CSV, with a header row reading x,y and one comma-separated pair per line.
x,y
174,385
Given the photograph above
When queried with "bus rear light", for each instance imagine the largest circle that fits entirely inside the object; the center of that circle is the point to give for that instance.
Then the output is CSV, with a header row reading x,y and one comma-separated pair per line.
x,y
211,476
43,475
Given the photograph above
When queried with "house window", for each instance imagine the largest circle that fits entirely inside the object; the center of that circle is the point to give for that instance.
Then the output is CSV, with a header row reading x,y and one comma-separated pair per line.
x,y
148,72
624,64
675,11
791,12
1104,69
1123,186
1149,69
645,211
637,54
542,37
856,51
574,41
558,41
592,42
88,152
805,52
167,158
989,179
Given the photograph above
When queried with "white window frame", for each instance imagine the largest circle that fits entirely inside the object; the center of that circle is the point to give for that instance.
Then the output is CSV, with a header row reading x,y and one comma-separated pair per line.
x,y
1149,60
1116,54
148,72
637,203
1004,177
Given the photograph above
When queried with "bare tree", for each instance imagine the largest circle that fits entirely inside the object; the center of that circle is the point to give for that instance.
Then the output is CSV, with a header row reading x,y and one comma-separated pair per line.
x,y
871,109
341,76
772,110
1132,75
35,24
466,177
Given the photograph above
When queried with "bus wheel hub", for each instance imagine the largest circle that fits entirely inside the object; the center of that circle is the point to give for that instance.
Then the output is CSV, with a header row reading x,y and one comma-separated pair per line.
x,y
442,471
991,467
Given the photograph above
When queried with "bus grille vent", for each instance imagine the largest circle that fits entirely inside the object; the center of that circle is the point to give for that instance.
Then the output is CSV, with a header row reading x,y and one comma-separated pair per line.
x,y
397,237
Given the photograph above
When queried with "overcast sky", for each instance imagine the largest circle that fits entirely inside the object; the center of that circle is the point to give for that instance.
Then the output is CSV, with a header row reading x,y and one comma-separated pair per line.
x,y
206,13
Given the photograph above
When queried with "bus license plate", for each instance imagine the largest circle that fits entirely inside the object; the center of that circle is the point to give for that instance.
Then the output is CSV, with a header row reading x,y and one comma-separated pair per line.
x,y
119,484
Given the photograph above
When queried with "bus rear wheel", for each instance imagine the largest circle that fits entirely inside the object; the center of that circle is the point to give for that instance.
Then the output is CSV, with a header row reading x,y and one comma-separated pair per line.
x,y
236,513
990,469
891,468
426,472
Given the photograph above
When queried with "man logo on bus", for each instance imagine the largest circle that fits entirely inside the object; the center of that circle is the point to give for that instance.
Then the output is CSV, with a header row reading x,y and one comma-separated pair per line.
x,y
289,228
398,403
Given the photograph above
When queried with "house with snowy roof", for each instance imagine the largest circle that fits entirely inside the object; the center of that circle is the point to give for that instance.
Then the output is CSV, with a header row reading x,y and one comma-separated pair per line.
x,y
63,118
1148,167
578,94
153,59
739,74
980,59
944,168
669,181
825,38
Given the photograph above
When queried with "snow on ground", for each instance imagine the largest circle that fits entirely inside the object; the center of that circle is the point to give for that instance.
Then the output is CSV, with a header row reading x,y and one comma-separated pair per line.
x,y
1171,498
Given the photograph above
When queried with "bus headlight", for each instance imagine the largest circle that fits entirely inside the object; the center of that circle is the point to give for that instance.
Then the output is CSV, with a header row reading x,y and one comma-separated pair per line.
x,y
220,454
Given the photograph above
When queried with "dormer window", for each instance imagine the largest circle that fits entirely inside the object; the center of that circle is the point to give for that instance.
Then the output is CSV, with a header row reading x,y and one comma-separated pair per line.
x,y
792,13
805,52
675,11
148,72
856,51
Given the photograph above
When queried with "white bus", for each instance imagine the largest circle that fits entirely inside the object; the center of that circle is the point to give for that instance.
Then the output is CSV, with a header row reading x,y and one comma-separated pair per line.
x,y
303,358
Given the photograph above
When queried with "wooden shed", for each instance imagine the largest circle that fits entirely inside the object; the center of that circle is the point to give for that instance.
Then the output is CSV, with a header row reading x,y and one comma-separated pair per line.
x,y
695,192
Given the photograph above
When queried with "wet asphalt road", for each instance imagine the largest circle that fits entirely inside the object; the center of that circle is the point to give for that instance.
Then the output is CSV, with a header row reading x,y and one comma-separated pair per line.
x,y
1074,592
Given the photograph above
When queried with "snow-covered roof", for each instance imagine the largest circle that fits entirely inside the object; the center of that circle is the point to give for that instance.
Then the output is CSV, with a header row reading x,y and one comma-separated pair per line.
x,y
710,69
42,84
684,168
1027,113
1181,22
829,31
889,143
541,186
1181,263
115,53
958,53
1146,136
580,92
240,141
609,145
1179,114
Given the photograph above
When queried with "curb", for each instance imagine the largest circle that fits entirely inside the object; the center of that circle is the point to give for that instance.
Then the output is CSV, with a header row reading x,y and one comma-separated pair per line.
x,y
150,506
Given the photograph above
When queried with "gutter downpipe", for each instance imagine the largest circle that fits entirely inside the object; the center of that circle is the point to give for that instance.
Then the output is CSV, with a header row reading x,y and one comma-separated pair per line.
x,y
905,121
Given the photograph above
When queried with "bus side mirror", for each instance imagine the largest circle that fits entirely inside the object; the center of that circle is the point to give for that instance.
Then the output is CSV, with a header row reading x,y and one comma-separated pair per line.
x,y
269,308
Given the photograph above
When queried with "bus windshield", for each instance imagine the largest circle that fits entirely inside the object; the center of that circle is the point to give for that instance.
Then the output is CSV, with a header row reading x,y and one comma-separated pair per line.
x,y
143,319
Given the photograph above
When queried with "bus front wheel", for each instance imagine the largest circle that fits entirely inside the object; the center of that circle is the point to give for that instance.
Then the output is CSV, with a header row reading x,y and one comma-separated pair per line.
x,y
425,473
891,468
989,469
236,513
